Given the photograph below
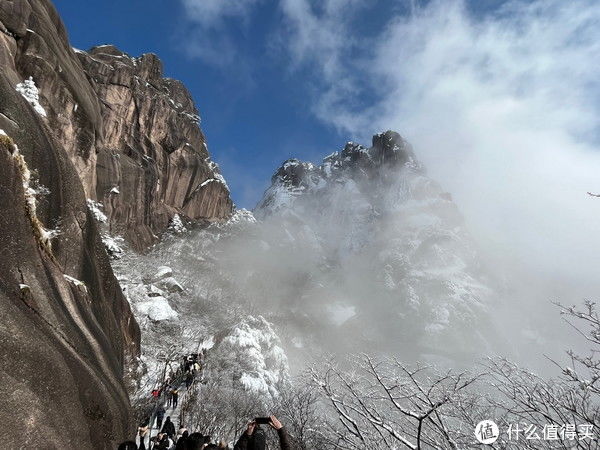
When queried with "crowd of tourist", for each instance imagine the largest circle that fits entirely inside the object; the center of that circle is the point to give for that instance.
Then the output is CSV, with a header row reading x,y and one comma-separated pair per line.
x,y
167,438
253,438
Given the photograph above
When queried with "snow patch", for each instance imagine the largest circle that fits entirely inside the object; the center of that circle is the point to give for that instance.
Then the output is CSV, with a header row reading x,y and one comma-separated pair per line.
x,y
94,208
176,225
162,272
242,216
77,283
210,180
207,343
30,92
113,245
157,309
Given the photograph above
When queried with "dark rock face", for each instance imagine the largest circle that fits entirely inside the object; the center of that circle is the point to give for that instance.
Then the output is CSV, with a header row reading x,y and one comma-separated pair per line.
x,y
105,127
66,328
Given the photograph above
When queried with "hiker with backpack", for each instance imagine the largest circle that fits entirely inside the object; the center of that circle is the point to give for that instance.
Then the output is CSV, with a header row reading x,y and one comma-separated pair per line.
x,y
169,428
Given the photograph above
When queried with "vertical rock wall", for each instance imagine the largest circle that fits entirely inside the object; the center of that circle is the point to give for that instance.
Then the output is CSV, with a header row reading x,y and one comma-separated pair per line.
x,y
79,125
153,160
67,331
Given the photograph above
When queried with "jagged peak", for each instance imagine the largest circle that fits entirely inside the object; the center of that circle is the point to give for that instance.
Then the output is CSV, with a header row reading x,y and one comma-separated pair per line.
x,y
293,172
147,66
388,148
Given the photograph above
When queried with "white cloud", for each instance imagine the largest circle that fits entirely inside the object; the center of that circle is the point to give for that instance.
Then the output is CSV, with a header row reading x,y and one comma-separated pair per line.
x,y
503,109
212,13
207,34
319,35
319,29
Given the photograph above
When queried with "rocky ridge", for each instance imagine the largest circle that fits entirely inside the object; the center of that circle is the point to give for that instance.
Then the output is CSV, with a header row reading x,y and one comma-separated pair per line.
x,y
132,135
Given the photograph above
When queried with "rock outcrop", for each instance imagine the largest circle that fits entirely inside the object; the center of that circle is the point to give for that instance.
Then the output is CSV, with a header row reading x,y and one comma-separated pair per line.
x,y
373,166
75,126
67,331
132,135
152,158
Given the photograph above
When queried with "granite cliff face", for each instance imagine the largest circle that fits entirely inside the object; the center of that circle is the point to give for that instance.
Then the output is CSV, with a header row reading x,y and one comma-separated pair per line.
x,y
132,135
152,160
78,126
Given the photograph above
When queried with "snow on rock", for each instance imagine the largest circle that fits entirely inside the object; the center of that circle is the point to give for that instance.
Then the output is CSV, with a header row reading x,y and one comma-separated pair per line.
x,y
253,350
242,216
217,177
370,231
113,245
77,283
210,180
157,309
30,92
94,208
207,343
162,272
171,285
176,225
153,291
221,179
115,190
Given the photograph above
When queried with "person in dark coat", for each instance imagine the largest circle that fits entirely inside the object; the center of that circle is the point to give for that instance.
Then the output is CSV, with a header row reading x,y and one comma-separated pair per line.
x,y
162,442
254,437
196,441
189,378
174,397
169,428
160,414
181,441
169,392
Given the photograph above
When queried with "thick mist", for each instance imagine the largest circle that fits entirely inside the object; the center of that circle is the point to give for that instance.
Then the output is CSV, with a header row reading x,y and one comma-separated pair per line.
x,y
502,108
454,263
364,252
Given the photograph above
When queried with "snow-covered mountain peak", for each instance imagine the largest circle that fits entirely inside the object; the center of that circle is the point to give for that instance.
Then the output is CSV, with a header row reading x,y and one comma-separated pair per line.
x,y
369,231
355,163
